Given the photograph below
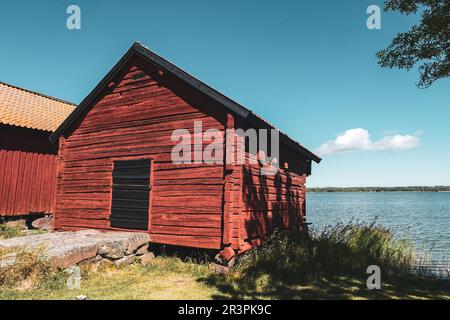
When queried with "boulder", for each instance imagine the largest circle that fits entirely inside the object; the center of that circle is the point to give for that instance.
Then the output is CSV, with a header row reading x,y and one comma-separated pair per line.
x,y
125,261
136,241
218,269
72,247
147,258
112,250
232,262
66,258
8,259
142,250
43,223
97,259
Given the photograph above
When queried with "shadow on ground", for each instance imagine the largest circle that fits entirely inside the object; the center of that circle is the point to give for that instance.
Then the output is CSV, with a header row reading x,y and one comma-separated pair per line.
x,y
339,288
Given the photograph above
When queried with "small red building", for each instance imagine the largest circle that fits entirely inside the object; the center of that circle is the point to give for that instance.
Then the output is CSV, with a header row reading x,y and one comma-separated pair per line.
x,y
116,171
27,158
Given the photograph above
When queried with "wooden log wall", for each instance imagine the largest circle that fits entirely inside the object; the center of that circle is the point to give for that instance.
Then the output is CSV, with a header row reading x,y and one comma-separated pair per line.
x,y
136,118
265,203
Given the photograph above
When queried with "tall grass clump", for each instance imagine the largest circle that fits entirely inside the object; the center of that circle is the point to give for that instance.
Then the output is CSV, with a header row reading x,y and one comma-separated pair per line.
x,y
29,272
344,249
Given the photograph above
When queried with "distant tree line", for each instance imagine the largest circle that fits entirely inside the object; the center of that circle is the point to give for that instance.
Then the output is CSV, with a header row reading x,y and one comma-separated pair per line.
x,y
382,189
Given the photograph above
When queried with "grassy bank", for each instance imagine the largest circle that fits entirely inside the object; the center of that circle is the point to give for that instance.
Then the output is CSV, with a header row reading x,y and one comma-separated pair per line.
x,y
327,265
331,264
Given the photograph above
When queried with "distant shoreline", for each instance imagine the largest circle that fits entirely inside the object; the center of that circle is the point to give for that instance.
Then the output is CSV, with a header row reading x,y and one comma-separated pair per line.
x,y
379,189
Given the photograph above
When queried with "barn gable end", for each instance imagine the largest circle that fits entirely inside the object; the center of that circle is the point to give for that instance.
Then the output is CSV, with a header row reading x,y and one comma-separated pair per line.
x,y
131,116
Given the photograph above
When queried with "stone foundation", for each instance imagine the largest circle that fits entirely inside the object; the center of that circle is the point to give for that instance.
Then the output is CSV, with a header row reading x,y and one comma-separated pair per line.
x,y
65,249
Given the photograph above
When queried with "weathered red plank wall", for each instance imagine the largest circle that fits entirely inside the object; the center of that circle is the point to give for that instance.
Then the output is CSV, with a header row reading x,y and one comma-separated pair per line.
x,y
136,118
269,203
262,204
259,203
27,172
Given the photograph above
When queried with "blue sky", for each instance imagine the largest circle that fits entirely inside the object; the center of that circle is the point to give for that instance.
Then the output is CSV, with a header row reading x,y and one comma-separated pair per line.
x,y
308,67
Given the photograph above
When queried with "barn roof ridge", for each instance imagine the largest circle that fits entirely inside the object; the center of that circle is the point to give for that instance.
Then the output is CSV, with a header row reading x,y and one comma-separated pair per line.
x,y
233,106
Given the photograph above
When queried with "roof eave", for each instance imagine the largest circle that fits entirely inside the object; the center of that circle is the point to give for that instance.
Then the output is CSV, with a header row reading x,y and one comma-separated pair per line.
x,y
90,97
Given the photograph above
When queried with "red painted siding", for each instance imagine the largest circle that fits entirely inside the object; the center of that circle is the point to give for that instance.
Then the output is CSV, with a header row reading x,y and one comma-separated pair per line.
x,y
136,118
27,172
259,204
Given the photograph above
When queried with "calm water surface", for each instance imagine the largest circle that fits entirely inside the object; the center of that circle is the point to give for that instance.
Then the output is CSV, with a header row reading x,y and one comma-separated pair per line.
x,y
417,216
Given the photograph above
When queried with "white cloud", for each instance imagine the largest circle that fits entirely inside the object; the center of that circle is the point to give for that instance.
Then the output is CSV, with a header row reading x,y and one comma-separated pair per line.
x,y
359,140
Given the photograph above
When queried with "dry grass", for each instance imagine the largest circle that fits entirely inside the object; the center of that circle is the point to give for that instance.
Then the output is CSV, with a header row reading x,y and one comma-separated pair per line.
x,y
29,272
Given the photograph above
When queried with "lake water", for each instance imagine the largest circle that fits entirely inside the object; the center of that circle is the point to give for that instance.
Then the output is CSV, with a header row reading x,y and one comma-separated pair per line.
x,y
422,217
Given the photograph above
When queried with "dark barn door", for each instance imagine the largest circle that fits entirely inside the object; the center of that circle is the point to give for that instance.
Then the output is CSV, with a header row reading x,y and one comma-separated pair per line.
x,y
130,194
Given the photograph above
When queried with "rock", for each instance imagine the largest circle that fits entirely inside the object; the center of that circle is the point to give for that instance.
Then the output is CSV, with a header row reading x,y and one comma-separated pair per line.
x,y
232,262
20,223
218,269
73,282
43,223
65,259
125,261
146,258
96,264
72,247
142,250
105,262
113,250
81,297
97,259
136,241
8,259
227,253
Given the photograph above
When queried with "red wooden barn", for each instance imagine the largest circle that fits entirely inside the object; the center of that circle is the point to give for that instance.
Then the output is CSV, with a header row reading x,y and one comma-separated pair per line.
x,y
27,158
115,170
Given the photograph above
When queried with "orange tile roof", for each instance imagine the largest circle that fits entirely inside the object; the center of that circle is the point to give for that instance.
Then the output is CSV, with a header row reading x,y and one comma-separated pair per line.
x,y
25,108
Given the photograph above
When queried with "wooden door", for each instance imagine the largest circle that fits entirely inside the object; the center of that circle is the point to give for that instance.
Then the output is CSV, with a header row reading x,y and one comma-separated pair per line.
x,y
131,194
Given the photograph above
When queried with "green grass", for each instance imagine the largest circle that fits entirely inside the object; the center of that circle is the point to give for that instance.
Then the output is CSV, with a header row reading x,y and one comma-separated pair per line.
x,y
165,278
346,250
8,232
327,265
170,278
330,264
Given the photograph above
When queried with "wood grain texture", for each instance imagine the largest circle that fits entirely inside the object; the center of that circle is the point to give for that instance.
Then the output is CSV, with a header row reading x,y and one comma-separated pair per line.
x,y
267,203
